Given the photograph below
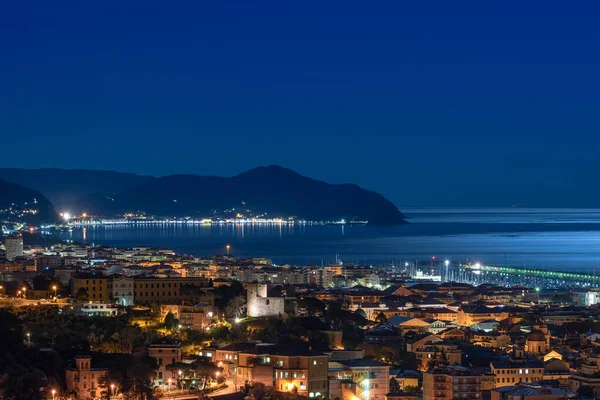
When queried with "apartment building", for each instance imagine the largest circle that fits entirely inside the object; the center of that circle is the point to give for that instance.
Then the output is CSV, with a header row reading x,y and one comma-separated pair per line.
x,y
371,378
287,370
195,317
165,351
471,315
98,288
439,353
513,372
82,379
444,383
150,290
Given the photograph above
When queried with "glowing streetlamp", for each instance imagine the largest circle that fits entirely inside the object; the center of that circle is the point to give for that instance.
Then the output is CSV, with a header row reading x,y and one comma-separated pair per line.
x,y
53,393
54,288
24,292
210,314
169,380
228,247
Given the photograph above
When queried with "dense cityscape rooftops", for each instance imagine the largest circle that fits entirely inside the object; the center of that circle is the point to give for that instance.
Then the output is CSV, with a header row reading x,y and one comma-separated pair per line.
x,y
247,319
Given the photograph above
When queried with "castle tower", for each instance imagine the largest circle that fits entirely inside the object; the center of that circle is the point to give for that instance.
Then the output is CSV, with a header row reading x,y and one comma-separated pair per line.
x,y
254,292
259,304
83,362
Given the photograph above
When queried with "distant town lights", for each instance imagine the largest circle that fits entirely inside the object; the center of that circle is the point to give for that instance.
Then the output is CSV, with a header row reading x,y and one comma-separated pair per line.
x,y
66,216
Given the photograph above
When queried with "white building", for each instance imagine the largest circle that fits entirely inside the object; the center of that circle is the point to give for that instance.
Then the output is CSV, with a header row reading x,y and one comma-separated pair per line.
x,y
96,310
14,247
122,290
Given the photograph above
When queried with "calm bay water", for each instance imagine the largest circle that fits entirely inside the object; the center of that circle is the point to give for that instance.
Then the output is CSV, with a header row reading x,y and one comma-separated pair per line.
x,y
565,239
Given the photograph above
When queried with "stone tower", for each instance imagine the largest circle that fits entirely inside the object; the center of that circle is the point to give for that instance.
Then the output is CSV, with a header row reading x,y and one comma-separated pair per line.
x,y
259,304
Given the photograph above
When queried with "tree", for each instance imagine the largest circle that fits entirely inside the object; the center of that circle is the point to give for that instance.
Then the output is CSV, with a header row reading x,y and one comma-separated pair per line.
x,y
236,307
411,389
319,341
381,318
20,377
313,306
171,322
180,371
41,282
82,294
440,361
110,384
127,337
139,378
155,310
205,371
195,293
394,386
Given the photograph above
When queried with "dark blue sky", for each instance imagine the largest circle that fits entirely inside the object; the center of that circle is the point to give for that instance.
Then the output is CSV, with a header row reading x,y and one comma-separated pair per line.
x,y
443,104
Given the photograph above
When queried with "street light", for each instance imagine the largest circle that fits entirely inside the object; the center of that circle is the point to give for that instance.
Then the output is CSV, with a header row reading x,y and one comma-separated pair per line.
x,y
169,380
53,393
112,388
228,247
210,314
54,288
24,292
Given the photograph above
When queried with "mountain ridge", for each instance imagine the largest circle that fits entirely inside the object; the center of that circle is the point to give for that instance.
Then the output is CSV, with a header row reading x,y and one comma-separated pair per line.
x,y
17,202
270,190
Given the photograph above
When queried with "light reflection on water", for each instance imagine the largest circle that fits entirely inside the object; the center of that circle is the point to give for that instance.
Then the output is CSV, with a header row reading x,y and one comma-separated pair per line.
x,y
561,239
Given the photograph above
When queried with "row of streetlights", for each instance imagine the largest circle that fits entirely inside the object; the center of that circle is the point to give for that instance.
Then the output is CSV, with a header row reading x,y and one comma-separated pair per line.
x,y
112,390
180,372
23,291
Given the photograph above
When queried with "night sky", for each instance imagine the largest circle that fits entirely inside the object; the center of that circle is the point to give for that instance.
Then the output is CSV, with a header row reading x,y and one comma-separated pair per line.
x,y
451,104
